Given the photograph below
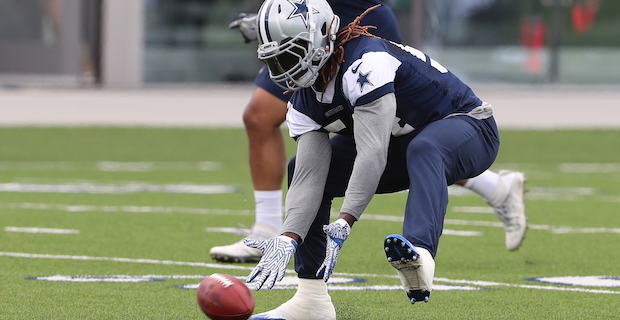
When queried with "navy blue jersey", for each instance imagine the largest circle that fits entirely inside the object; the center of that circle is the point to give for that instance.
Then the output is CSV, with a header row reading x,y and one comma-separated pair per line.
x,y
425,90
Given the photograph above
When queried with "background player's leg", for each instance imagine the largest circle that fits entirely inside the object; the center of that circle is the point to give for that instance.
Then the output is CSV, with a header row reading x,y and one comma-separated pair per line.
x,y
504,192
262,118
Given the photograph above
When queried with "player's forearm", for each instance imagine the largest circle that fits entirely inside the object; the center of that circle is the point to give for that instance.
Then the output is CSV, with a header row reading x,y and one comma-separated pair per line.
x,y
305,193
373,125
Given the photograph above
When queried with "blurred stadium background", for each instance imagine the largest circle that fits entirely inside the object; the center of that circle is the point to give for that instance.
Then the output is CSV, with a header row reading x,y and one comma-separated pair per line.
x,y
139,43
175,62
103,62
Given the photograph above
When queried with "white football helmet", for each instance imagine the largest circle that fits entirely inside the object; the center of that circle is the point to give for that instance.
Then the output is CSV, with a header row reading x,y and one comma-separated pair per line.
x,y
296,37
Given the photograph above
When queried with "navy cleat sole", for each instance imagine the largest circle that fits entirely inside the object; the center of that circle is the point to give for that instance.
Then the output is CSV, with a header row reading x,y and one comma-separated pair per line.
x,y
400,253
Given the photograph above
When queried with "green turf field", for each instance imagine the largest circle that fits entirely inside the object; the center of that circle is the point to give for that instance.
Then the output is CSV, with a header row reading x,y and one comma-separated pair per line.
x,y
122,218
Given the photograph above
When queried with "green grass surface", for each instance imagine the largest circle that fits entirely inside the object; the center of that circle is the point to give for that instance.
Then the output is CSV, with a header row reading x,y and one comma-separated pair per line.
x,y
162,227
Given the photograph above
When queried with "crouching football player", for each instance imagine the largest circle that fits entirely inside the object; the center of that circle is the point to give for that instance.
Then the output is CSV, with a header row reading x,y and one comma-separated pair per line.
x,y
401,121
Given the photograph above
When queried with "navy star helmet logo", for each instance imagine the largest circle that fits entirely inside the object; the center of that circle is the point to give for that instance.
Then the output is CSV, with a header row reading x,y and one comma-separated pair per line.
x,y
301,11
363,80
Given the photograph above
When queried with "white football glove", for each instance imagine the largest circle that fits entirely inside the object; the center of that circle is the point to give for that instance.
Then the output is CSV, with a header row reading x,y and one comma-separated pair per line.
x,y
277,253
337,232
246,22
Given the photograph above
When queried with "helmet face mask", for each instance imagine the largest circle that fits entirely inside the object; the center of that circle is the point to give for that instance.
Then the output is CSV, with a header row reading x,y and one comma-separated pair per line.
x,y
296,37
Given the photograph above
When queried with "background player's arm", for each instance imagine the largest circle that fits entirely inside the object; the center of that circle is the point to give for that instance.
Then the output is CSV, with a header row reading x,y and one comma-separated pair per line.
x,y
246,23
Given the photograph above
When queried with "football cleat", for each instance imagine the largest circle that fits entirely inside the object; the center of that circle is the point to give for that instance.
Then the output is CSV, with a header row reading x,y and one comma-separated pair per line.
x,y
507,202
310,302
415,267
239,252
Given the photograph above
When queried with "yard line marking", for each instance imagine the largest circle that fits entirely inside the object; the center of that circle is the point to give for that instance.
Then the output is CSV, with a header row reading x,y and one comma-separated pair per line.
x,y
242,232
237,231
41,230
590,167
117,188
460,222
497,224
538,193
115,278
117,259
287,283
474,210
233,267
588,281
130,209
552,229
365,216
566,230
157,166
39,165
436,287
559,194
461,233
525,286
143,166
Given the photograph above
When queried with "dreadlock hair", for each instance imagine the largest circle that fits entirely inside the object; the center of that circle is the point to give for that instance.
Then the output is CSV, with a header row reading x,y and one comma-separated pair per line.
x,y
351,31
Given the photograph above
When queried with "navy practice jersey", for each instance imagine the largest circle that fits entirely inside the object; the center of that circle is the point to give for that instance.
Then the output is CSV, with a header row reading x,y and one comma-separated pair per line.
x,y
425,91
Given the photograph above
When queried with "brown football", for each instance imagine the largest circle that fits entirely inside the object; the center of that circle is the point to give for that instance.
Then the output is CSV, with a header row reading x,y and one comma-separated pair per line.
x,y
224,297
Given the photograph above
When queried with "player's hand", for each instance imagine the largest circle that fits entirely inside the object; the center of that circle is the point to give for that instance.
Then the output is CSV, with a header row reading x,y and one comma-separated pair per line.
x,y
337,232
277,253
246,22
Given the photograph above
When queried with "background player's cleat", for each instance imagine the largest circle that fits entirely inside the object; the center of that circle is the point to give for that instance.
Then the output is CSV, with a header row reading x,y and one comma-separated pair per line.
x,y
310,302
239,252
415,267
507,201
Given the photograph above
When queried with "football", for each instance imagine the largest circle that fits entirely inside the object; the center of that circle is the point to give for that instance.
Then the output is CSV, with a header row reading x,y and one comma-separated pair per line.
x,y
224,297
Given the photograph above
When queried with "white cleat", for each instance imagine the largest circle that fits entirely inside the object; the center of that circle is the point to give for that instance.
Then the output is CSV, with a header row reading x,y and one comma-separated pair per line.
x,y
415,267
310,302
239,252
507,202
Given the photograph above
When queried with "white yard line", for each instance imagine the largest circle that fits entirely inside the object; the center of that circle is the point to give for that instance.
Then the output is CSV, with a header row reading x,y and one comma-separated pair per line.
x,y
365,216
41,230
235,267
133,187
142,166
127,209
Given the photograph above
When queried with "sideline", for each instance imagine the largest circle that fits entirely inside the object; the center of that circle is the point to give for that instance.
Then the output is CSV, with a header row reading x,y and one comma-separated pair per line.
x,y
546,107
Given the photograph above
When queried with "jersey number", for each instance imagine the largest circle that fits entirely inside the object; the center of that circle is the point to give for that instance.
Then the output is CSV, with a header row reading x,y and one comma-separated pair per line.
x,y
420,55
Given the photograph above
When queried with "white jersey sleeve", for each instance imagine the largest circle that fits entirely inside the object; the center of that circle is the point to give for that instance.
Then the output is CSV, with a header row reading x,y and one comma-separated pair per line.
x,y
373,70
299,123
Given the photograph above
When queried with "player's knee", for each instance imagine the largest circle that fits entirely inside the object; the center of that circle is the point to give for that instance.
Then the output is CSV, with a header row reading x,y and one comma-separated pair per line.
x,y
251,117
259,116
421,146
423,151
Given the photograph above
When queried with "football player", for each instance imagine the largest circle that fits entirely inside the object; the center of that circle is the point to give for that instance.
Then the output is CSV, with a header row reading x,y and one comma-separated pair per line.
x,y
266,112
400,121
